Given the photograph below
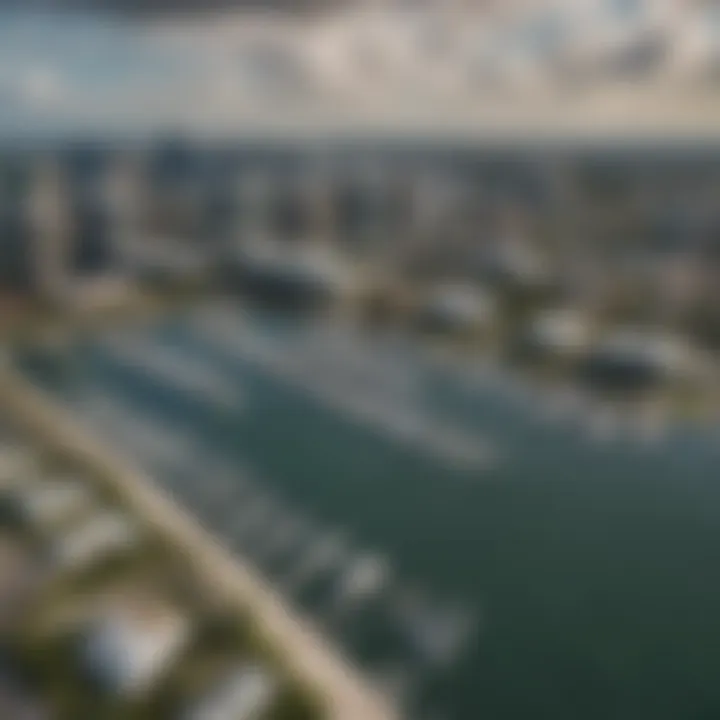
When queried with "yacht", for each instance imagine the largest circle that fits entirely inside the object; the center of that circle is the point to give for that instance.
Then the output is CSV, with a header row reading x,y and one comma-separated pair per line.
x,y
324,554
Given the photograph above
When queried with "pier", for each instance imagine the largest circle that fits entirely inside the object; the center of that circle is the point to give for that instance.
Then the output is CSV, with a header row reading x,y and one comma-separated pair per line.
x,y
305,652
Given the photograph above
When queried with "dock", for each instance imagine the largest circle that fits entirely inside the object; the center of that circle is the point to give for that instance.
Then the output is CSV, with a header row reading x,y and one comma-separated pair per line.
x,y
304,651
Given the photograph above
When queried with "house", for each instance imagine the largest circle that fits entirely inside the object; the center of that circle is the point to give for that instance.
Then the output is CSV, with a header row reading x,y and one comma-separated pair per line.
x,y
165,262
97,293
130,645
514,262
45,505
246,694
560,333
457,308
96,539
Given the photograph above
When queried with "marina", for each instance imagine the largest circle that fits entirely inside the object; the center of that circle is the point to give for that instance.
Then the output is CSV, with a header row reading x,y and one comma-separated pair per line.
x,y
166,367
362,391
486,589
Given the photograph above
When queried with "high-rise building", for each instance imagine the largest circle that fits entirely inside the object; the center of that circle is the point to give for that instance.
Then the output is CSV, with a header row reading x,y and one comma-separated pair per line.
x,y
91,250
51,227
16,266
35,228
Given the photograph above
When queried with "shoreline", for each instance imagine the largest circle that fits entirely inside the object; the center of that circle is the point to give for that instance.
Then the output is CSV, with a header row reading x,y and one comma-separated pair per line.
x,y
306,653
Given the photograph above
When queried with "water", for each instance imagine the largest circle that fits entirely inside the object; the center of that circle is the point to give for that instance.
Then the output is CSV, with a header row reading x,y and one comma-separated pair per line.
x,y
559,577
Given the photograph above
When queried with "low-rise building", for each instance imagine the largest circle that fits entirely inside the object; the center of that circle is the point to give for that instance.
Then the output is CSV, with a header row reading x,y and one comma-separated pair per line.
x,y
458,308
128,647
43,506
246,694
103,535
307,277
558,334
634,359
102,293
165,262
514,262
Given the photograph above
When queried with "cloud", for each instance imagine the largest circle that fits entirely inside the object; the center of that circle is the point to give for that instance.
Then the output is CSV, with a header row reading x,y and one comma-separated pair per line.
x,y
40,87
30,88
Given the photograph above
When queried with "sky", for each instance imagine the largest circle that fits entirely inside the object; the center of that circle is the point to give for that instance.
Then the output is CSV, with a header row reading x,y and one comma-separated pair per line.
x,y
65,71
229,71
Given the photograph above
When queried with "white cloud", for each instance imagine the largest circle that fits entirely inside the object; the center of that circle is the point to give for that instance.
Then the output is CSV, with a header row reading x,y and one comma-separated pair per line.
x,y
40,87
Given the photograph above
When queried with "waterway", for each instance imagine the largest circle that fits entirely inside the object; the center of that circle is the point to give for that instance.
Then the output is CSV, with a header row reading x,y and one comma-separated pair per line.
x,y
468,538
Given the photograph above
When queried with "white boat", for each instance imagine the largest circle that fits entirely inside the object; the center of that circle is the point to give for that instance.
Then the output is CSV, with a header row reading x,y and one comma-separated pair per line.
x,y
363,578
167,366
377,406
325,554
438,635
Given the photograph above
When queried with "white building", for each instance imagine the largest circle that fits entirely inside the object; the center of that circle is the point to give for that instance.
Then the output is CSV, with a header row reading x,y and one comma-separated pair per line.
x,y
50,227
106,292
164,260
247,694
559,332
95,540
45,505
308,272
512,260
459,307
130,646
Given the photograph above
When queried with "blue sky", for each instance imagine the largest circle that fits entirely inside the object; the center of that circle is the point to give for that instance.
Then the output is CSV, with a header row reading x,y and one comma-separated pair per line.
x,y
58,72
72,72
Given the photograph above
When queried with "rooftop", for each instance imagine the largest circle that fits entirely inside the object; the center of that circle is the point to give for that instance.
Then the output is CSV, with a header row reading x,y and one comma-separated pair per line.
x,y
244,695
129,646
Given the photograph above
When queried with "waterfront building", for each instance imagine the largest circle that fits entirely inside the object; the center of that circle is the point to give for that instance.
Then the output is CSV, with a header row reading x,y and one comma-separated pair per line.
x,y
64,219
128,647
290,211
253,193
458,308
51,228
176,173
35,227
125,189
560,333
16,267
247,693
163,263
358,207
513,262
48,504
92,249
308,276
98,538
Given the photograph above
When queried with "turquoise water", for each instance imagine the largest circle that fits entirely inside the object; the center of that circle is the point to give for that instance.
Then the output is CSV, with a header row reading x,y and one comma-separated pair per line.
x,y
590,568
